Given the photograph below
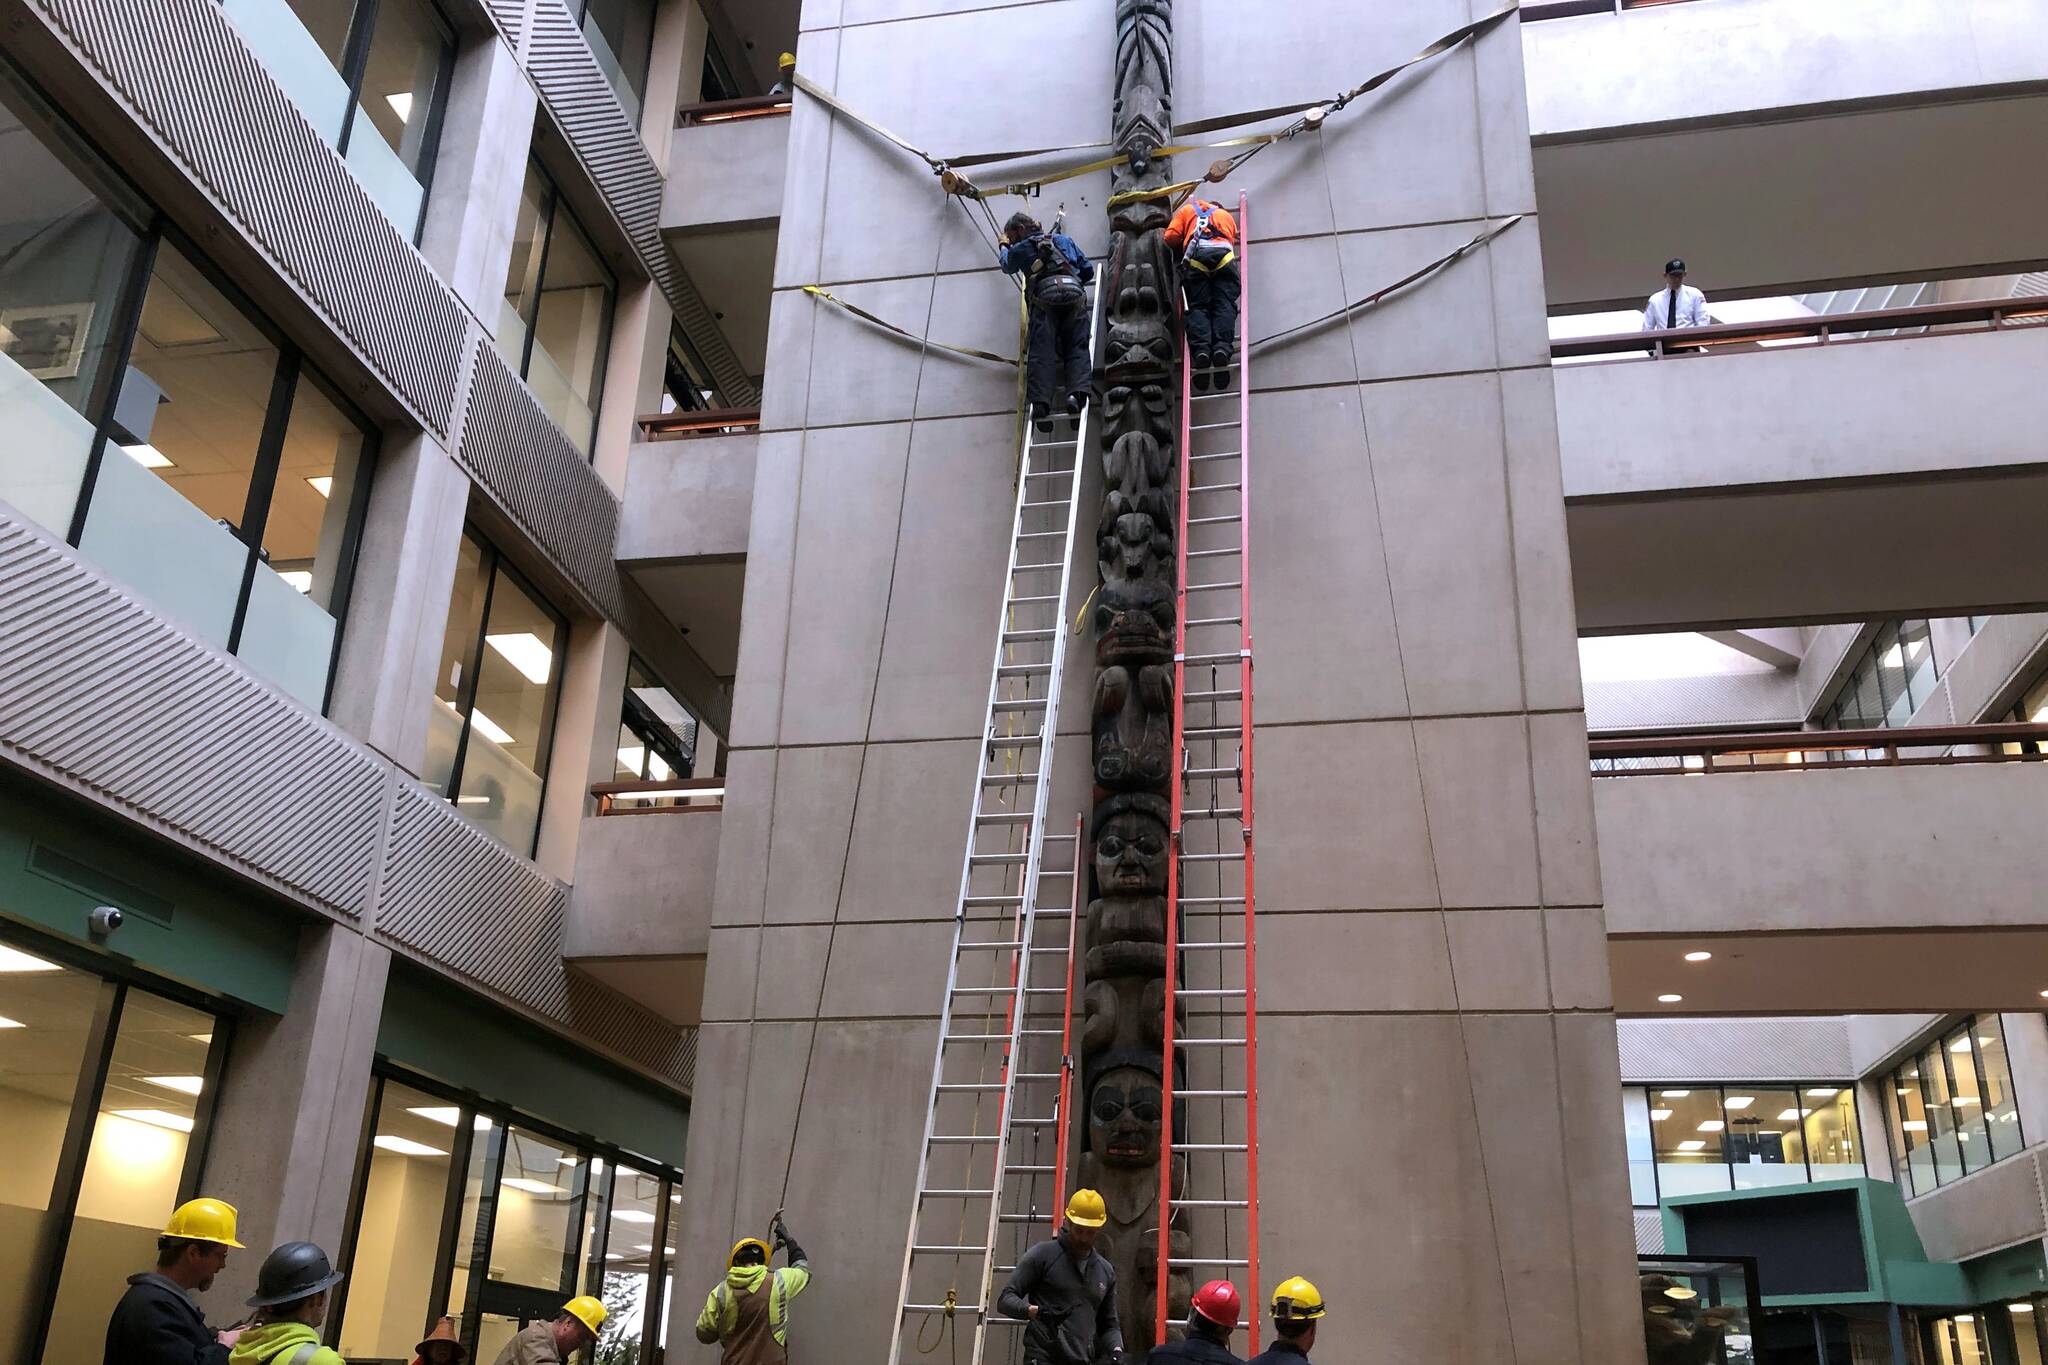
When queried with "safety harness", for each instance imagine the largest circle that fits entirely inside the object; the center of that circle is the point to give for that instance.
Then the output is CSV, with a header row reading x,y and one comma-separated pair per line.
x,y
1207,250
1054,281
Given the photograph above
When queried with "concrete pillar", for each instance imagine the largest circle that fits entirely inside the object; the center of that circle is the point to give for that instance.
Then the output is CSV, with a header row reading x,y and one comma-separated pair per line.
x,y
398,606
632,378
586,724
674,72
1873,1107
485,138
293,1095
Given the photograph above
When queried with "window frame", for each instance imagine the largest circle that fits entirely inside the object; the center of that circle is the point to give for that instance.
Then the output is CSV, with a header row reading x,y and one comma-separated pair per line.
x,y
551,202
1648,1090
646,61
492,561
1937,1042
578,1267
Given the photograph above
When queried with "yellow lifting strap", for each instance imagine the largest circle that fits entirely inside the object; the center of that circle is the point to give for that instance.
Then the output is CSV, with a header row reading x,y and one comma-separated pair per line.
x,y
913,338
1380,295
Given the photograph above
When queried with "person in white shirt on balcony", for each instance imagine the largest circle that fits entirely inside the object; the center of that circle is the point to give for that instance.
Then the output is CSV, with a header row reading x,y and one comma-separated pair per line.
x,y
1677,304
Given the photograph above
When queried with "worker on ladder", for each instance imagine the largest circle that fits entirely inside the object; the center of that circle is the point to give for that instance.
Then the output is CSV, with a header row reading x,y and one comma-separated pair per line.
x,y
1212,1317
1056,274
747,1314
1205,235
1066,1291
1297,1306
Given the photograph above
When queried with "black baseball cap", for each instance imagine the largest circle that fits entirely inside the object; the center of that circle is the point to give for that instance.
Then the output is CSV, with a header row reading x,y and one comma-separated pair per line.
x,y
1674,266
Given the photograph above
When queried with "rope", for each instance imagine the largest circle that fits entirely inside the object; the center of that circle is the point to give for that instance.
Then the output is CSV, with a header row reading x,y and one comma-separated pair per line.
x,y
1379,296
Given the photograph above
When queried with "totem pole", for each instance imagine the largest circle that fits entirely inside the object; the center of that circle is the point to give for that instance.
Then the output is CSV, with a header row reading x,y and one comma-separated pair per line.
x,y
1125,965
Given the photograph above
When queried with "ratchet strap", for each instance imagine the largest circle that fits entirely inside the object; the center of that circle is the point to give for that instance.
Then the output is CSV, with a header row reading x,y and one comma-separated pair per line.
x,y
1414,277
913,338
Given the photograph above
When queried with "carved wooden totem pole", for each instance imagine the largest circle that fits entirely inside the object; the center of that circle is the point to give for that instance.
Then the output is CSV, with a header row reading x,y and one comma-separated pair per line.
x,y
1133,712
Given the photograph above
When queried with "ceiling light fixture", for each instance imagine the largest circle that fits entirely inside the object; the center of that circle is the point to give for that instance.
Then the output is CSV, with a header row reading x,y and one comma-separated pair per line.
x,y
148,456
632,1216
1960,1045
323,484
525,652
1659,1115
2020,1307
1669,999
1915,1125
1710,1126
1681,1293
184,1085
14,960
5,1022
401,105
1792,1115
520,1182
1692,1145
206,1038
1822,1092
448,1116
404,1146
155,1118
488,728
1672,1094
1700,955
1738,1102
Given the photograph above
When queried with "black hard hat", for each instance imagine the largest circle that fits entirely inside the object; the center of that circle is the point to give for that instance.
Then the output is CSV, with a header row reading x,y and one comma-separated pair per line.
x,y
296,1270
1674,266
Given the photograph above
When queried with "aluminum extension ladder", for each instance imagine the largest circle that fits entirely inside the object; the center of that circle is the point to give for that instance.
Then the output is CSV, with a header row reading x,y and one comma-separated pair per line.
x,y
1211,945
996,1040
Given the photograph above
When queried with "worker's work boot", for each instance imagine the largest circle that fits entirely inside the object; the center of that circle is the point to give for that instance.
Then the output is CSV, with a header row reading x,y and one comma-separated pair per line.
x,y
1076,402
1041,418
1199,380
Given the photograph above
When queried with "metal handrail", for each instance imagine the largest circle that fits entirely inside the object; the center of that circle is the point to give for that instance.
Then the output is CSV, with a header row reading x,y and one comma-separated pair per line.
x,y
728,111
608,794
1793,750
689,423
1661,341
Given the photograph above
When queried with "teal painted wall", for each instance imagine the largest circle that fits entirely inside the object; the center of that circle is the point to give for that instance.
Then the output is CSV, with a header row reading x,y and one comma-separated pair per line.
x,y
442,1031
59,857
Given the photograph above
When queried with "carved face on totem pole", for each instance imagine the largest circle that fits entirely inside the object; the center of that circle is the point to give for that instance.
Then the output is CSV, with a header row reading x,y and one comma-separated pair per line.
x,y
1131,846
1124,1112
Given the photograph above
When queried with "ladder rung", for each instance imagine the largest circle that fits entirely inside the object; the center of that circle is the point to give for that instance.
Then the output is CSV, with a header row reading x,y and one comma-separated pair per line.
x,y
1022,703
1208,772
1212,900
1004,945
991,900
987,1086
1210,426
1028,1170
992,990
1213,554
1036,1076
997,857
1209,1203
1233,585
1009,779
1211,1042
1212,857
1228,694
1220,621
1018,670
1187,947
973,1194
936,1249
1013,741
1042,535
1005,817
1207,1095
1214,813
1032,1123
1204,1260
948,1308
1217,487
1038,1032
1056,502
1206,991
1033,600
1222,455
1212,521
1024,1218
1212,730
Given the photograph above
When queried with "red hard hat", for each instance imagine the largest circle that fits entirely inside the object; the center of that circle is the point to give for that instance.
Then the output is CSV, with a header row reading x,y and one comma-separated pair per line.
x,y
1217,1301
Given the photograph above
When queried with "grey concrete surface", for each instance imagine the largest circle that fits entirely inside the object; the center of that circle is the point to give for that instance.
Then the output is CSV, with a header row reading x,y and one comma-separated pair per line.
x,y
688,499
478,173
643,886
725,175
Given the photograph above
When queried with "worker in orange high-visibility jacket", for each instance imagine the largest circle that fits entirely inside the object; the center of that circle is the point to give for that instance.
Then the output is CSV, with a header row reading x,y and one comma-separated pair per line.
x,y
1205,236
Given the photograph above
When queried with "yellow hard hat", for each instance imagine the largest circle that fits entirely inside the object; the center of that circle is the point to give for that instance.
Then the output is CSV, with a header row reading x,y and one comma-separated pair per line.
x,y
1086,1209
786,60
1297,1300
203,1220
587,1311
741,1245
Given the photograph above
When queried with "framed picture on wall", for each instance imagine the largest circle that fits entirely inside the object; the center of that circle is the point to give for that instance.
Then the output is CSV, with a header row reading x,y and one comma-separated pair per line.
x,y
47,340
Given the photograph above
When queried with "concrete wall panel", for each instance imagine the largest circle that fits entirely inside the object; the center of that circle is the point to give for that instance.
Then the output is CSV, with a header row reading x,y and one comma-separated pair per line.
x,y
1477,800
688,499
1984,1211
643,886
1330,840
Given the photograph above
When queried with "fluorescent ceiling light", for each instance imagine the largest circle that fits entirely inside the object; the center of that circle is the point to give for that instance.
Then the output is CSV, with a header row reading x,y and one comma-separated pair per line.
x,y
148,456
156,1118
5,1022
1699,956
644,1246
520,1182
567,1160
1738,1101
2020,1307
474,800
524,651
1692,1145
1681,1293
323,484
1960,1045
302,579
1966,1099
448,1116
632,1216
1793,1115
1672,1094
615,1255
401,105
1669,999
184,1085
631,757
1659,1115
1914,1125
1710,1126
488,728
404,1146
14,960
1822,1092
675,1199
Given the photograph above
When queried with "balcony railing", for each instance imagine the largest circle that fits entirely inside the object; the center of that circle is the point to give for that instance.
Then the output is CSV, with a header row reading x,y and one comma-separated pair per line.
x,y
1816,328
688,425
1796,750
729,111
677,796
1534,10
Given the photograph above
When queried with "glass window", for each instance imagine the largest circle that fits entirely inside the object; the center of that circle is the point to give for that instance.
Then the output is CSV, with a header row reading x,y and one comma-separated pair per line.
x,y
1966,1099
2025,1317
1891,681
2001,1113
1766,1136
1891,676
657,735
555,325
494,701
535,1237
134,1167
686,385
1689,1126
633,1267
372,78
1913,1134
1941,1118
398,1228
484,1147
1642,1172
1916,649
70,242
1834,1145
621,34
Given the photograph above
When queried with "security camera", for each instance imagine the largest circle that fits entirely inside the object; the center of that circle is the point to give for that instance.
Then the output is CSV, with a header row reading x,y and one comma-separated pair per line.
x,y
104,920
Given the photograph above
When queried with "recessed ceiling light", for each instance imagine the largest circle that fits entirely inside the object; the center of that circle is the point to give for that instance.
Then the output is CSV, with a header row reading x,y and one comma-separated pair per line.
x,y
1738,1102
448,1116
1672,1094
1681,1293
5,1022
1967,1099
2020,1307
525,652
632,1216
1693,1145
1792,1115
520,1182
148,456
323,484
1822,1092
488,728
1659,1115
1710,1126
404,1146
401,105
184,1085
14,960
2044,995
156,1118
1960,1045
1914,1125
1669,999
1698,956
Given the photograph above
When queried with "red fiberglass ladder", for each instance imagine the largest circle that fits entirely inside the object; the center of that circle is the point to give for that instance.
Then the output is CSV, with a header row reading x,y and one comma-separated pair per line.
x,y
1211,952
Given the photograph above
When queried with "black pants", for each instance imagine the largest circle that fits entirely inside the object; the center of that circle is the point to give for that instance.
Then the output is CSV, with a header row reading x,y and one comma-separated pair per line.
x,y
1057,335
1212,312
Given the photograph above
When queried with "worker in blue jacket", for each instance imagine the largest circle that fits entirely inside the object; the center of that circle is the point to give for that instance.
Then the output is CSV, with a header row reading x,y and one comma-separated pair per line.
x,y
1056,277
